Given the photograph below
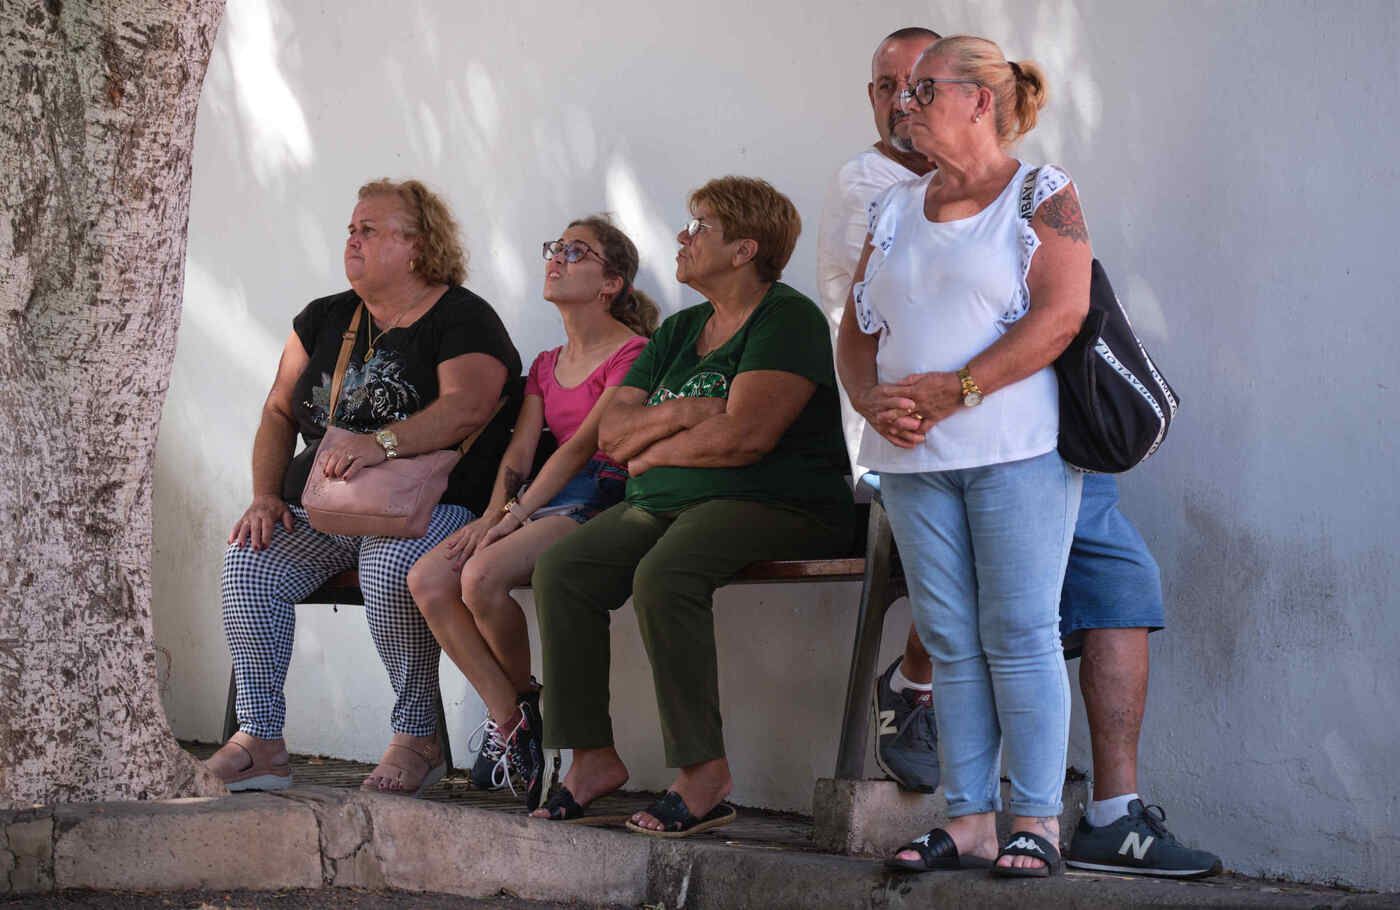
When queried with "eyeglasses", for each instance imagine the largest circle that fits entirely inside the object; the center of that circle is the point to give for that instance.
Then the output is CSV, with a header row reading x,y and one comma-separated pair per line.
x,y
924,90
694,226
572,251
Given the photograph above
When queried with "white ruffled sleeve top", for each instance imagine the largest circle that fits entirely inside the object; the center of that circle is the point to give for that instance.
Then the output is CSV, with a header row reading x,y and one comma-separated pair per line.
x,y
940,293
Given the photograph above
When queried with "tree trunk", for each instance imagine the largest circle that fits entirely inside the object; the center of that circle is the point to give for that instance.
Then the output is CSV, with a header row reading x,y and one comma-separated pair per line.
x,y
95,143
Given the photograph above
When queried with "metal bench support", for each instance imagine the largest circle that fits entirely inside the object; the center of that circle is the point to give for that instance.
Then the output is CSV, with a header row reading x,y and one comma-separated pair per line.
x,y
879,589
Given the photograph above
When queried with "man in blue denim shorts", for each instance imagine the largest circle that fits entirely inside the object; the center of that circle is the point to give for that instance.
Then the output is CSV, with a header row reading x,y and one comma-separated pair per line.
x,y
1112,596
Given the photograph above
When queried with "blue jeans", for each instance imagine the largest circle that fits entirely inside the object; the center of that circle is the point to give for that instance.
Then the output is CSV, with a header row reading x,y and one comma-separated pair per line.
x,y
984,553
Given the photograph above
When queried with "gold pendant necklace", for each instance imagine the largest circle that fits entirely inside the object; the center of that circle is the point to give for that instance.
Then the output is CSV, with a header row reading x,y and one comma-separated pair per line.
x,y
375,339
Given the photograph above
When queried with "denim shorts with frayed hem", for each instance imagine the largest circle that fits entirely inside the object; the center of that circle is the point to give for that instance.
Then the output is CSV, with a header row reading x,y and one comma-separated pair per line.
x,y
600,485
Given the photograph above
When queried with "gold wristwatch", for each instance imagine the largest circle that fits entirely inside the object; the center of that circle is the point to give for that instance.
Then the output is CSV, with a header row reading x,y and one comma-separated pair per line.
x,y
388,442
971,391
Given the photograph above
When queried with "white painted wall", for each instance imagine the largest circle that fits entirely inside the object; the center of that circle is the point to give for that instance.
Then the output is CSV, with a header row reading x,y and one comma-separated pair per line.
x,y
1237,164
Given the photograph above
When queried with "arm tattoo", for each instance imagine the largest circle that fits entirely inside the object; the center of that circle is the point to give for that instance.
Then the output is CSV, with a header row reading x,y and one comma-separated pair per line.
x,y
513,482
1062,213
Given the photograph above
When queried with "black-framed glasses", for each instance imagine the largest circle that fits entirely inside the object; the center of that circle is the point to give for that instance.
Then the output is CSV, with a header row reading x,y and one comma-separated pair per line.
x,y
572,251
693,227
924,90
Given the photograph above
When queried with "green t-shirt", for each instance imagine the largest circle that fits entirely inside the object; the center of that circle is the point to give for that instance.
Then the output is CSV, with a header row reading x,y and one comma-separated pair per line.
x,y
806,468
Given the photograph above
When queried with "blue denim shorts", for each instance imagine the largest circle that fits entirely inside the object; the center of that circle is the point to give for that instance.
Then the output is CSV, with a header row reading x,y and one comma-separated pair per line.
x,y
597,487
1112,581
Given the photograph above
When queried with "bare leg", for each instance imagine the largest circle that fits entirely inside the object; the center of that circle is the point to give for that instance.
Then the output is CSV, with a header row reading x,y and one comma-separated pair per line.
x,y
437,589
592,773
1113,674
487,580
703,786
916,666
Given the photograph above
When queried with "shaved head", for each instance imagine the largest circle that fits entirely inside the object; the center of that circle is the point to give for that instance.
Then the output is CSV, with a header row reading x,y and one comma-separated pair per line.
x,y
889,73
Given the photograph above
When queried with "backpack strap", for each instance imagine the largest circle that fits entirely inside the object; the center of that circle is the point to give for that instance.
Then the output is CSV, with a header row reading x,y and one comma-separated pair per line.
x,y
347,344
1028,195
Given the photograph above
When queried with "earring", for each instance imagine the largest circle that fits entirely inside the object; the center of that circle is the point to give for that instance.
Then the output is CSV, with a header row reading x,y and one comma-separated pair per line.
x,y
977,119
412,264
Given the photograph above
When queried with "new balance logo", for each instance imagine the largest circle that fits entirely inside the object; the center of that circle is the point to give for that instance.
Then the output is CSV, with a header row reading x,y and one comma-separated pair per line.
x,y
1025,843
1139,847
887,723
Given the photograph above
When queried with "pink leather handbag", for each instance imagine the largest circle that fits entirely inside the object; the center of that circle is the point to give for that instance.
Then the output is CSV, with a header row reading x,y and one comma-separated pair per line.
x,y
394,498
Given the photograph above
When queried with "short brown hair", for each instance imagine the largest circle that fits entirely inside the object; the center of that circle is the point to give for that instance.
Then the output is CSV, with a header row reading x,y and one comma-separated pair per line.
x,y
440,259
1018,89
749,208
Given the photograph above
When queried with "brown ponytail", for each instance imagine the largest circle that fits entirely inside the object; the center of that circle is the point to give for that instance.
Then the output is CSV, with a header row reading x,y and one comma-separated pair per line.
x,y
629,306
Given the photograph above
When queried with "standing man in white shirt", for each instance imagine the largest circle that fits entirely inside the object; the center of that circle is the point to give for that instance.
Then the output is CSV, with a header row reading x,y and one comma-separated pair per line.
x,y
1112,594
906,739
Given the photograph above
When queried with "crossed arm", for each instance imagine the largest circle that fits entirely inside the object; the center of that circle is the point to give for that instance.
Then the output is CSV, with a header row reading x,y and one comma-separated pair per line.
x,y
705,432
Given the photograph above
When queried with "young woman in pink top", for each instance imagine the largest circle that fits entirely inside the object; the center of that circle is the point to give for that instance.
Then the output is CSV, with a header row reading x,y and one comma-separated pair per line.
x,y
462,586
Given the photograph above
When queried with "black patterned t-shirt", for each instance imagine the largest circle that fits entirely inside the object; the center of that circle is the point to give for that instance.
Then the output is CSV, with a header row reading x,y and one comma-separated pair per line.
x,y
399,380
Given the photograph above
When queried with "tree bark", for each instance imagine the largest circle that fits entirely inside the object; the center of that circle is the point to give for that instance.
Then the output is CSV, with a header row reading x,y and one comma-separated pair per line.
x,y
95,145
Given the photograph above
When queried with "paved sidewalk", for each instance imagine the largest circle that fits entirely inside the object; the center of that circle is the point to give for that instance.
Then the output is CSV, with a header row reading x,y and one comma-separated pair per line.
x,y
331,846
305,899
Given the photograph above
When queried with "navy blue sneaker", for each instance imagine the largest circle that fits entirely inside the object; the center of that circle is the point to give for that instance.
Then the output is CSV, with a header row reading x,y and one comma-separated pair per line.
x,y
523,767
906,740
489,743
1138,844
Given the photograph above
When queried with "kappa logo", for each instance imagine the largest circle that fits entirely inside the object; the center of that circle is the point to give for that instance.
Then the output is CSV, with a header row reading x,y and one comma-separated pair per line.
x,y
887,723
923,838
1025,843
1135,843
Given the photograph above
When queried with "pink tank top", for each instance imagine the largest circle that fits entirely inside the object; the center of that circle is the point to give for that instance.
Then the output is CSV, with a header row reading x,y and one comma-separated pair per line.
x,y
565,408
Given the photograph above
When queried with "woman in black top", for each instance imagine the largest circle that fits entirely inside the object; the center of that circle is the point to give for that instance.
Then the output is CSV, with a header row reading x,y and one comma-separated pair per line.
x,y
430,362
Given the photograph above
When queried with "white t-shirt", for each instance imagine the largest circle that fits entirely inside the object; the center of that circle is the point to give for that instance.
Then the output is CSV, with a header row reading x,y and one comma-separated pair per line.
x,y
840,239
940,293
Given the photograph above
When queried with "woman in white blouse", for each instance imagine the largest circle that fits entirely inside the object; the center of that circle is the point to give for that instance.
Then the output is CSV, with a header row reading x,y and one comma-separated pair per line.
x,y
959,308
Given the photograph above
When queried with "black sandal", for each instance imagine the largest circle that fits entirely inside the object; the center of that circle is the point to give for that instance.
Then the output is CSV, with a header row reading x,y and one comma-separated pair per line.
x,y
676,818
936,851
562,807
1024,843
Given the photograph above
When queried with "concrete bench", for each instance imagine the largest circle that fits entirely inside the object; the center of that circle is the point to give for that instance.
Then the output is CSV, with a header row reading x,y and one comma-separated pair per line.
x,y
873,563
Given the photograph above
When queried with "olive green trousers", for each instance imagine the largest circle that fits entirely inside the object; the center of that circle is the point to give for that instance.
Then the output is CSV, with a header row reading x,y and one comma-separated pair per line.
x,y
670,565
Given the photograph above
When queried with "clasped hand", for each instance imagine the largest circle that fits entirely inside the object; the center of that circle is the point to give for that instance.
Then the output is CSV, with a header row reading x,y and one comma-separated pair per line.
x,y
905,410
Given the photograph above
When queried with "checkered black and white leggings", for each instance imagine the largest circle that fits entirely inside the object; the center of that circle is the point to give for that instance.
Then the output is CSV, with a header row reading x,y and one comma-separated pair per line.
x,y
260,590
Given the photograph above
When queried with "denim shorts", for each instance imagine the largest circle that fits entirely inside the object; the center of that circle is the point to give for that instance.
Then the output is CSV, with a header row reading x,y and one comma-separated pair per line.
x,y
600,485
1112,581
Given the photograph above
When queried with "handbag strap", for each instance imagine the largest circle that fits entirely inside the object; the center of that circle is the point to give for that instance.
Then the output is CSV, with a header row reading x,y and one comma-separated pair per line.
x,y
347,344
1028,195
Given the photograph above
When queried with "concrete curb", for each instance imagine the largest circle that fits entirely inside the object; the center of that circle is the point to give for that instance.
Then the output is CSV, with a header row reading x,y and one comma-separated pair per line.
x,y
315,836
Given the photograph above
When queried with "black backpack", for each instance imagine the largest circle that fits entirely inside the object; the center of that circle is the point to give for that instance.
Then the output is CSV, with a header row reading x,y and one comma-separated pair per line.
x,y
1115,406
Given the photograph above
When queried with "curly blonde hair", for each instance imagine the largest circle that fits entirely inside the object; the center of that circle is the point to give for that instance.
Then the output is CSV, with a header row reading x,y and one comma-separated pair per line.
x,y
441,258
749,208
1018,88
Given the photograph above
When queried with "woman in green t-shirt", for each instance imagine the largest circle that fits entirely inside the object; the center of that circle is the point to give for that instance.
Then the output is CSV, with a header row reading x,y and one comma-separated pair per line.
x,y
729,425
